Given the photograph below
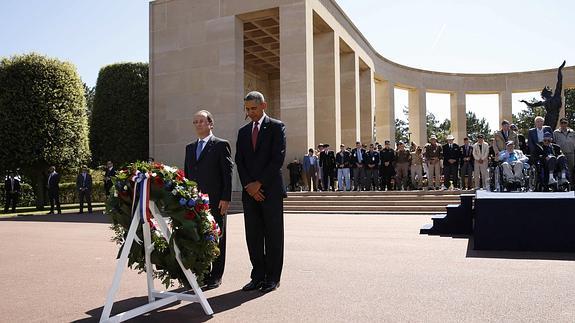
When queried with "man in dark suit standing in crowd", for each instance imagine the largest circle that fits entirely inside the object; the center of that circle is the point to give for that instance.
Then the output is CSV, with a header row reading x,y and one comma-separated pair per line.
x,y
260,154
451,157
54,190
327,163
12,189
536,135
84,187
209,163
387,158
110,172
357,157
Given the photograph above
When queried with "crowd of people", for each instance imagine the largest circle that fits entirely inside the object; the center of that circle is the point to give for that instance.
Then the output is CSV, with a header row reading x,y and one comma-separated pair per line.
x,y
435,166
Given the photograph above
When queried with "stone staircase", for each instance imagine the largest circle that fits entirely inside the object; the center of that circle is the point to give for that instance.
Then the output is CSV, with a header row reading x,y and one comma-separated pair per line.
x,y
365,202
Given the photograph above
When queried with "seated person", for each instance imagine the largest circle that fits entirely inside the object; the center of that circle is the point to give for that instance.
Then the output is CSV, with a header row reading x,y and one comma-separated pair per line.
x,y
553,159
513,161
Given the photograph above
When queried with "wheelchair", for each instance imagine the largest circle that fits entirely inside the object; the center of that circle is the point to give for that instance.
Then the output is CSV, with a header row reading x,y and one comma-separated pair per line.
x,y
498,184
541,177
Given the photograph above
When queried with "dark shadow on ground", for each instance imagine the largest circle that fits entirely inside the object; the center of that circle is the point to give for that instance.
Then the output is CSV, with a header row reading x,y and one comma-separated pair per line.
x,y
96,217
503,254
189,313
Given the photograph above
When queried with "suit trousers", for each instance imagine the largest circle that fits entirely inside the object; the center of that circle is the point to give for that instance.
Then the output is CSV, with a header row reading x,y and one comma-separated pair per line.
x,y
85,196
481,175
328,180
264,225
386,173
450,174
311,177
358,178
401,170
466,174
11,201
54,199
433,174
416,175
219,264
372,178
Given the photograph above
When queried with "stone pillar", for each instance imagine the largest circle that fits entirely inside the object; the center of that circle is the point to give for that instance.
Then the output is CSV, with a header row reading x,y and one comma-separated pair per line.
x,y
365,104
384,111
458,116
349,98
505,108
296,78
326,88
417,116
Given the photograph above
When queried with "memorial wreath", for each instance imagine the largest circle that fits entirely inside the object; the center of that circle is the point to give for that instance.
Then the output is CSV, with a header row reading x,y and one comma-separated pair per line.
x,y
193,228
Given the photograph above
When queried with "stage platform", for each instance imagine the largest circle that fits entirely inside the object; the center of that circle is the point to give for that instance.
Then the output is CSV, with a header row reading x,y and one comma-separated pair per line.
x,y
528,221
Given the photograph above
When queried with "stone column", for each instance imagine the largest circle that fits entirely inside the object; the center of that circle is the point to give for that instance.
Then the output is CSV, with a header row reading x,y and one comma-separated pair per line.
x,y
349,98
458,116
505,108
296,78
366,111
384,111
326,88
417,116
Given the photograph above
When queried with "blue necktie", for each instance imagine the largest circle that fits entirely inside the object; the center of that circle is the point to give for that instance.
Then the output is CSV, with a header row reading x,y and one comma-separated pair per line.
x,y
199,149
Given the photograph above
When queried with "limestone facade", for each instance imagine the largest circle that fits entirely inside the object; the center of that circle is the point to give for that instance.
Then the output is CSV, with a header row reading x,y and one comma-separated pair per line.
x,y
320,76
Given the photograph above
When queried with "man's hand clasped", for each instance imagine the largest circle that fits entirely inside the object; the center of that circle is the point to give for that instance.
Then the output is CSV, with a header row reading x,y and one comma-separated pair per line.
x,y
255,191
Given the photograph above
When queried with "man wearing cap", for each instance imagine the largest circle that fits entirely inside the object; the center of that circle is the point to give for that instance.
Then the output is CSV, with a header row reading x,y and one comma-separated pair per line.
x,y
432,154
451,157
553,159
327,163
402,160
310,165
504,135
535,135
387,158
513,162
342,162
481,161
565,138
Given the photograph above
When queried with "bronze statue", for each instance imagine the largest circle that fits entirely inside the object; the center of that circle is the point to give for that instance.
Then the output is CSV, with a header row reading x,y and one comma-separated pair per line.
x,y
551,101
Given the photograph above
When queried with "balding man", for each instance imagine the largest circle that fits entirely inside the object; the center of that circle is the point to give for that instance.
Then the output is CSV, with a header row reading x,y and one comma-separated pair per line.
x,y
535,136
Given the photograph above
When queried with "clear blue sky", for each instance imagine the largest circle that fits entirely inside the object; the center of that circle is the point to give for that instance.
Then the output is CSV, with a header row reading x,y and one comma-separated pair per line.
x,y
481,36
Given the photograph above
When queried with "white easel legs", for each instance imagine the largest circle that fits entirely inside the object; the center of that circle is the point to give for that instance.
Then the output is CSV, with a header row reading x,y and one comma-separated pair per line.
x,y
164,297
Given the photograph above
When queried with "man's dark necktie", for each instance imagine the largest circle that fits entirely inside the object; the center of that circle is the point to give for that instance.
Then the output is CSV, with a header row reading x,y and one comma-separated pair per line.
x,y
199,149
255,133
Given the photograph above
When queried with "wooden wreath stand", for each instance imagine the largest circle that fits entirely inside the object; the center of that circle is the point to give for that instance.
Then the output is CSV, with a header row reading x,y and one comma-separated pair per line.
x,y
156,299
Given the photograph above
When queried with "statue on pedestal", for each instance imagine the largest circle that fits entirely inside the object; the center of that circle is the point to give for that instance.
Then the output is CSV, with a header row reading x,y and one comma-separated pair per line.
x,y
551,101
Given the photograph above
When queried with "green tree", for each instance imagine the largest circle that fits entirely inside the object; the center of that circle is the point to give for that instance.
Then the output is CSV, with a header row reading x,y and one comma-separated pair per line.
x,y
42,108
434,127
119,125
476,126
570,106
401,130
89,93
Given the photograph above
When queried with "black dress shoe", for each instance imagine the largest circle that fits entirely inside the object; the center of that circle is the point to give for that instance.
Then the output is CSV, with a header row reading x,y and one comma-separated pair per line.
x,y
253,285
212,284
269,286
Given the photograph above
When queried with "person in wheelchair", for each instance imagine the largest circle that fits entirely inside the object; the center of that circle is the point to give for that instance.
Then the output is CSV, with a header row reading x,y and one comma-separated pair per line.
x,y
553,160
512,163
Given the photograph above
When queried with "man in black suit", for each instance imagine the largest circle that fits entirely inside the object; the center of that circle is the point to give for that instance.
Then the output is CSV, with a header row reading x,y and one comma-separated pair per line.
x,y
260,154
12,189
327,163
54,189
209,163
84,187
451,157
110,172
357,157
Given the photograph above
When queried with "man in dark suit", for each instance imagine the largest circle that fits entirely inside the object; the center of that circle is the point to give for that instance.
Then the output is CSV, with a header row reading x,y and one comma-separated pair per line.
x,y
54,190
84,187
12,189
451,157
536,135
357,157
371,164
209,163
327,163
260,154
110,172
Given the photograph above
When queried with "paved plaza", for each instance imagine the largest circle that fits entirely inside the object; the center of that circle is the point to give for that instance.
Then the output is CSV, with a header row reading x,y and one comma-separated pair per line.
x,y
338,268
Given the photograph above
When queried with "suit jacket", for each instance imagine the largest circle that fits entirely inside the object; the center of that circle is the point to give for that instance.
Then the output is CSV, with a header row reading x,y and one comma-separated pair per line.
x,y
213,170
327,161
466,153
84,185
8,186
451,153
371,158
500,141
343,159
264,164
307,163
54,183
533,140
481,153
541,151
354,160
109,173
